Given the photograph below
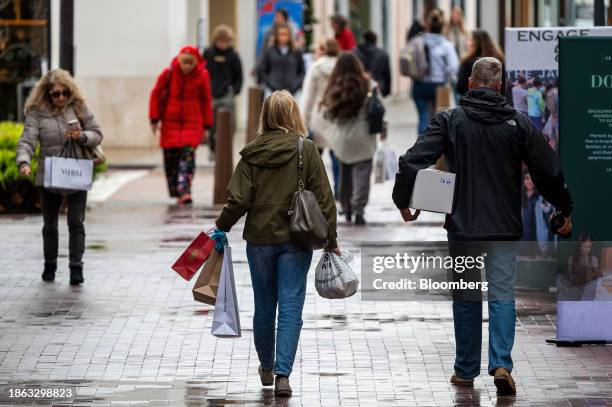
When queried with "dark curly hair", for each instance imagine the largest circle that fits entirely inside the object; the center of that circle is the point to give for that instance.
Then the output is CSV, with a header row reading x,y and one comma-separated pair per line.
x,y
347,88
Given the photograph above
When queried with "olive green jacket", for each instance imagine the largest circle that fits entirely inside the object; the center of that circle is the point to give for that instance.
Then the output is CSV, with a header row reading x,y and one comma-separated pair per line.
x,y
263,184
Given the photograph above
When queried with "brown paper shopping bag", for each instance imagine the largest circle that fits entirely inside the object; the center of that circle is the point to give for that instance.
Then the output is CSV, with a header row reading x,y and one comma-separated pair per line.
x,y
207,284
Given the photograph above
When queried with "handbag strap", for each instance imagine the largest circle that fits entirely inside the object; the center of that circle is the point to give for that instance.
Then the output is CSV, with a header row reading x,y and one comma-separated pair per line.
x,y
300,162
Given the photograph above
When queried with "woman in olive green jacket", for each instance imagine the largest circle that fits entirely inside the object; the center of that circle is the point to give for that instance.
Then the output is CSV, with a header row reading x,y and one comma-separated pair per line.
x,y
262,187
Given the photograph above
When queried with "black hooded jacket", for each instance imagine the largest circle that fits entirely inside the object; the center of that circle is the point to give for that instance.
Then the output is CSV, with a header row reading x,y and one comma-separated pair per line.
x,y
485,140
376,61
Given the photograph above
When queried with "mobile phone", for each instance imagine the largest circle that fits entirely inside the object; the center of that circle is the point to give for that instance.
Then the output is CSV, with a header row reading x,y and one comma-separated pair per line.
x,y
74,124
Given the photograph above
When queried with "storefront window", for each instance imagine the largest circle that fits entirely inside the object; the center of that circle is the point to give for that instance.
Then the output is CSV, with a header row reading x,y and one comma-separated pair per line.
x,y
548,13
24,51
582,13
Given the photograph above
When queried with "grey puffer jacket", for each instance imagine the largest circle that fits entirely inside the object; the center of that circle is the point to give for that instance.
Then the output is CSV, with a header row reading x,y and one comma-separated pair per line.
x,y
48,129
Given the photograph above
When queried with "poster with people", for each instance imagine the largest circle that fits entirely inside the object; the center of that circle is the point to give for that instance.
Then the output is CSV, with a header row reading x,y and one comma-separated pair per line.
x,y
273,12
572,111
532,87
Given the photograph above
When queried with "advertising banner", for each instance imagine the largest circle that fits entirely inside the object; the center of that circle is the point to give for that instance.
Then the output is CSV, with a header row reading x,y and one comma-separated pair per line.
x,y
265,18
585,146
533,87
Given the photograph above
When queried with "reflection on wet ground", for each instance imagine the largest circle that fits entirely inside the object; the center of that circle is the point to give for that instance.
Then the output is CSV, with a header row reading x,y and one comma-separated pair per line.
x,y
132,334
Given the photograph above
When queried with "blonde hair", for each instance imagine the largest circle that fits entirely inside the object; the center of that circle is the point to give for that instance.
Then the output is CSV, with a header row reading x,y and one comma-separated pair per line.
x,y
40,100
223,32
280,111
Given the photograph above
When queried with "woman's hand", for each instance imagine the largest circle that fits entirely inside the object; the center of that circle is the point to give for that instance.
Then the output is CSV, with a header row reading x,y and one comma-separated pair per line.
x,y
154,128
335,250
73,134
25,170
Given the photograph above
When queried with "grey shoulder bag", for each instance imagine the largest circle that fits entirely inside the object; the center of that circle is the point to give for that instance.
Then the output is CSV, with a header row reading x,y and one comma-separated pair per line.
x,y
307,224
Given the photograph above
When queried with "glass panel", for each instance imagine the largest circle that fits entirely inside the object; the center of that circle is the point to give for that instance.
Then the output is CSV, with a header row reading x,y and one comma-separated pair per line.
x,y
582,12
548,13
24,51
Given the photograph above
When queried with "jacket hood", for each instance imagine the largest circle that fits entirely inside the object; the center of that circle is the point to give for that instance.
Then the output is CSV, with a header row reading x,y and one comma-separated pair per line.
x,y
189,49
367,49
486,106
271,150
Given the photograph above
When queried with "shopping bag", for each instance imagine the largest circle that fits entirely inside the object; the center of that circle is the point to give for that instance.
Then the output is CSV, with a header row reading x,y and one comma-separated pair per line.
x,y
391,166
207,283
226,321
334,278
68,173
379,166
194,256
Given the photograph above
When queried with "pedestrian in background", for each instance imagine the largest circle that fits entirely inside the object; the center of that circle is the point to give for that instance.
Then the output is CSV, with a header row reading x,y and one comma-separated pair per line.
x,y
375,61
314,88
519,95
262,187
53,103
443,65
345,105
535,103
181,100
480,45
282,65
223,64
456,33
343,33
485,142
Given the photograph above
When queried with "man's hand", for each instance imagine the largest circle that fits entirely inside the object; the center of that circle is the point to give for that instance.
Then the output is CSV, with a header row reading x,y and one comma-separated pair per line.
x,y
567,226
408,215
25,170
335,250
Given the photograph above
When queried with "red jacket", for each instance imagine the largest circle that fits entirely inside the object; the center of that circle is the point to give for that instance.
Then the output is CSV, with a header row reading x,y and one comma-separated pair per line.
x,y
346,39
183,103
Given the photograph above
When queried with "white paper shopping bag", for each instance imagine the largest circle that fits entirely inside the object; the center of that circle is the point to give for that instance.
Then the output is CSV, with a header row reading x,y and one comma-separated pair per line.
x,y
226,321
68,173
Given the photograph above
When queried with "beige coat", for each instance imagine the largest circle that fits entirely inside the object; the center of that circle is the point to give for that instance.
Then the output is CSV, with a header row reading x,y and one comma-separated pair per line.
x,y
351,140
313,89
47,129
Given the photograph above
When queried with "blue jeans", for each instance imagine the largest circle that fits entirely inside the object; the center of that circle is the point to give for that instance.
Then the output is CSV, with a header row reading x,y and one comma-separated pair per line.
x,y
278,274
424,95
500,268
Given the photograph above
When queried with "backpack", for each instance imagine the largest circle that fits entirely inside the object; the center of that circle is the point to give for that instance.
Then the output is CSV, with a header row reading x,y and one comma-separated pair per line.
x,y
414,59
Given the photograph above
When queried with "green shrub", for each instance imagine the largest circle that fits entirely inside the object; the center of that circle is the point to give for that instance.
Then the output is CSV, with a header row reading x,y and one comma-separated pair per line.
x,y
18,194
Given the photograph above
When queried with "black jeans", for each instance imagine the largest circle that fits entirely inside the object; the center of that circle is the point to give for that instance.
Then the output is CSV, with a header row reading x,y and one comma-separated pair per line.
x,y
51,204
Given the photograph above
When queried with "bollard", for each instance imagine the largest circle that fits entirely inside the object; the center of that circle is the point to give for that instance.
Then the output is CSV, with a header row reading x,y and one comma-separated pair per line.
x,y
224,165
255,103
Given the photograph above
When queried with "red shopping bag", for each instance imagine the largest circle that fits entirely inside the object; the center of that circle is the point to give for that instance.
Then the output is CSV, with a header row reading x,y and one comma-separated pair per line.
x,y
194,256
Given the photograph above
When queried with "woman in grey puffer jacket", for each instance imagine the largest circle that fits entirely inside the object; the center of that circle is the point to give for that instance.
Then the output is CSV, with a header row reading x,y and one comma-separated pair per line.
x,y
53,103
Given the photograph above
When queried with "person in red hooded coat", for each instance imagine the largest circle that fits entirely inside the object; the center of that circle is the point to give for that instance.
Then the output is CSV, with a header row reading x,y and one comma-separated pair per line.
x,y
182,102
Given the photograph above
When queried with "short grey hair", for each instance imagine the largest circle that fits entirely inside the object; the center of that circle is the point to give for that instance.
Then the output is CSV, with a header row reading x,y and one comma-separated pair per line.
x,y
487,72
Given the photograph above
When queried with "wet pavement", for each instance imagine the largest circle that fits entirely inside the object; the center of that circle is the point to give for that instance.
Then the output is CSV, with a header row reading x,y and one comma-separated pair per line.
x,y
132,334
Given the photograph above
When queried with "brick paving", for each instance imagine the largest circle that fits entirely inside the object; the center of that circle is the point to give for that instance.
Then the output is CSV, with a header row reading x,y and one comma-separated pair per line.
x,y
132,334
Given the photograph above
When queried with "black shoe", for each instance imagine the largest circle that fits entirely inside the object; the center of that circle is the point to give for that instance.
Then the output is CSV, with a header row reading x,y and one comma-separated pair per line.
x,y
49,272
359,220
76,275
348,216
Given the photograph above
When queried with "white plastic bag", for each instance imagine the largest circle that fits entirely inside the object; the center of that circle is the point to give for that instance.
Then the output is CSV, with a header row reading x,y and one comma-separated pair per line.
x,y
334,278
385,163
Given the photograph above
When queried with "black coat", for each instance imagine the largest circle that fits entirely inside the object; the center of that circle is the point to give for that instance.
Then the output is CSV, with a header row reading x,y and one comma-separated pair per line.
x,y
485,140
280,71
225,71
376,62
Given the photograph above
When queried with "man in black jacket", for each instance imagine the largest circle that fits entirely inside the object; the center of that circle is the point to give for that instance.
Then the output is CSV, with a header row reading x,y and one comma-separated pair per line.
x,y
485,142
375,61
225,68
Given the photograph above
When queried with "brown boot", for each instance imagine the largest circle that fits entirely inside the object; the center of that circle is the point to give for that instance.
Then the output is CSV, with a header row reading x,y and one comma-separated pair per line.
x,y
460,381
266,376
281,386
504,382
